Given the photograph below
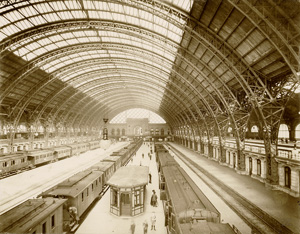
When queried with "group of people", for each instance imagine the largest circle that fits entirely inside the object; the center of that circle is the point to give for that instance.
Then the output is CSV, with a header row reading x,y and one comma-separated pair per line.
x,y
145,224
153,202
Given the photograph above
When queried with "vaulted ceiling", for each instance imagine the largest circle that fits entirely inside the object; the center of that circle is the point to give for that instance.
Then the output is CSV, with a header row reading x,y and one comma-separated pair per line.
x,y
209,62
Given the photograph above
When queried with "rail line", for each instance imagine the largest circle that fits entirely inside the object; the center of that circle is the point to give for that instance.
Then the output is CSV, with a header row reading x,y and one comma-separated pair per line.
x,y
256,218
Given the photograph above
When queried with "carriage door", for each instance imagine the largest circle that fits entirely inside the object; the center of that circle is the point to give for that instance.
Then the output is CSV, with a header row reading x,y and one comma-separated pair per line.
x,y
250,166
125,204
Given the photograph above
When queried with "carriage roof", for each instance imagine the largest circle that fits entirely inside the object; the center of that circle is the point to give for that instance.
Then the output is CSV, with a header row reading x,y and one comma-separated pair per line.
x,y
73,188
184,193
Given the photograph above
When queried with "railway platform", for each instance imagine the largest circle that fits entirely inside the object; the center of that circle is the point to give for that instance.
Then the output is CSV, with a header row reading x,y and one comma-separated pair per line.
x,y
281,206
18,188
100,220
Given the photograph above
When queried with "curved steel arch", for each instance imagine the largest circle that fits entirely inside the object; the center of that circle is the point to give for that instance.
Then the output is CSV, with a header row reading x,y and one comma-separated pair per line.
x,y
263,22
227,89
105,93
116,103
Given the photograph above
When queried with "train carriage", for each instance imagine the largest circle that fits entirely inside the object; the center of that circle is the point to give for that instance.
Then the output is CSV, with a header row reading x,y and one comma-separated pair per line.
x,y
39,157
94,144
116,159
186,202
12,163
62,152
123,154
107,168
164,158
205,227
78,148
34,216
80,190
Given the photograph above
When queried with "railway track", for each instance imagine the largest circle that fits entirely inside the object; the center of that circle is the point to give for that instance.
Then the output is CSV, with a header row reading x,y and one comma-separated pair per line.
x,y
12,173
256,218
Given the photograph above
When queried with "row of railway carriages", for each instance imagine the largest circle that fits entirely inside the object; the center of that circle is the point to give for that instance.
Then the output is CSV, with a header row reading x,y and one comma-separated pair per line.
x,y
19,161
187,209
59,209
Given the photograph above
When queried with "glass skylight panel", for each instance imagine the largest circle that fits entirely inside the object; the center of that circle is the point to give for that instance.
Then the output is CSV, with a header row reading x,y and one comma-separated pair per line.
x,y
118,17
40,51
6,8
79,14
23,24
58,5
14,15
88,4
2,36
61,43
73,4
94,14
51,17
43,7
28,11
30,56
38,20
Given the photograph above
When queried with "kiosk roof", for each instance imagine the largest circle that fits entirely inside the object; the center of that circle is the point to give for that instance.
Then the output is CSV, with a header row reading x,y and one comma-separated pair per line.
x,y
129,176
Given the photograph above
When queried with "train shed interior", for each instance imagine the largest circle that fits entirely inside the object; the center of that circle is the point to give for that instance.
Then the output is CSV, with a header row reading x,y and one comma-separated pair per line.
x,y
222,75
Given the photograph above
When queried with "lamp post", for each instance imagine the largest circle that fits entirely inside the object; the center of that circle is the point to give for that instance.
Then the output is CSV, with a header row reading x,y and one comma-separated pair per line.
x,y
105,132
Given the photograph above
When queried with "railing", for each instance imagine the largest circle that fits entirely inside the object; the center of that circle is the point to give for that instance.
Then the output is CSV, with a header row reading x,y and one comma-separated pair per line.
x,y
293,154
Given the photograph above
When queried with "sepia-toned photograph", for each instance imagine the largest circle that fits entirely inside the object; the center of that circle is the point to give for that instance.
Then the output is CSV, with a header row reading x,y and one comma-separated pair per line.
x,y
149,117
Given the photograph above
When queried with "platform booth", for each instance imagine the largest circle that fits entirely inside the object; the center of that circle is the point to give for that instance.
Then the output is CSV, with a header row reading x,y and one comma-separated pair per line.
x,y
127,190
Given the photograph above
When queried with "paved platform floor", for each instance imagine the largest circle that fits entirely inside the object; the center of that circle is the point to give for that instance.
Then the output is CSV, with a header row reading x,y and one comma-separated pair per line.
x,y
281,206
227,214
101,221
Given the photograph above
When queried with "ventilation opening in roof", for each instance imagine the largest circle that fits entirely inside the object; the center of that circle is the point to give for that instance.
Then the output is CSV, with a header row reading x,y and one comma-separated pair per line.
x,y
137,113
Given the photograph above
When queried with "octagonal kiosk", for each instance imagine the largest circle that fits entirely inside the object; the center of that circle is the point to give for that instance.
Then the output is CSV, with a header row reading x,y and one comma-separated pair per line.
x,y
127,190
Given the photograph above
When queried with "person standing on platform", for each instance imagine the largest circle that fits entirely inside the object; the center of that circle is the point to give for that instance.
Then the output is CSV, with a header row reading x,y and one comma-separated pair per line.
x,y
153,201
153,221
132,227
145,227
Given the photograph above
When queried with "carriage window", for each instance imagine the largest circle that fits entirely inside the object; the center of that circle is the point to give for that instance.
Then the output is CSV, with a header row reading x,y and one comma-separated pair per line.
x,y
13,162
97,182
52,221
23,160
92,187
87,192
82,196
5,164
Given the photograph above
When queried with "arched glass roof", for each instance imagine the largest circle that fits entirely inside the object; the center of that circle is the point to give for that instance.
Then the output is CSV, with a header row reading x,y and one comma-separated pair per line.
x,y
186,60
